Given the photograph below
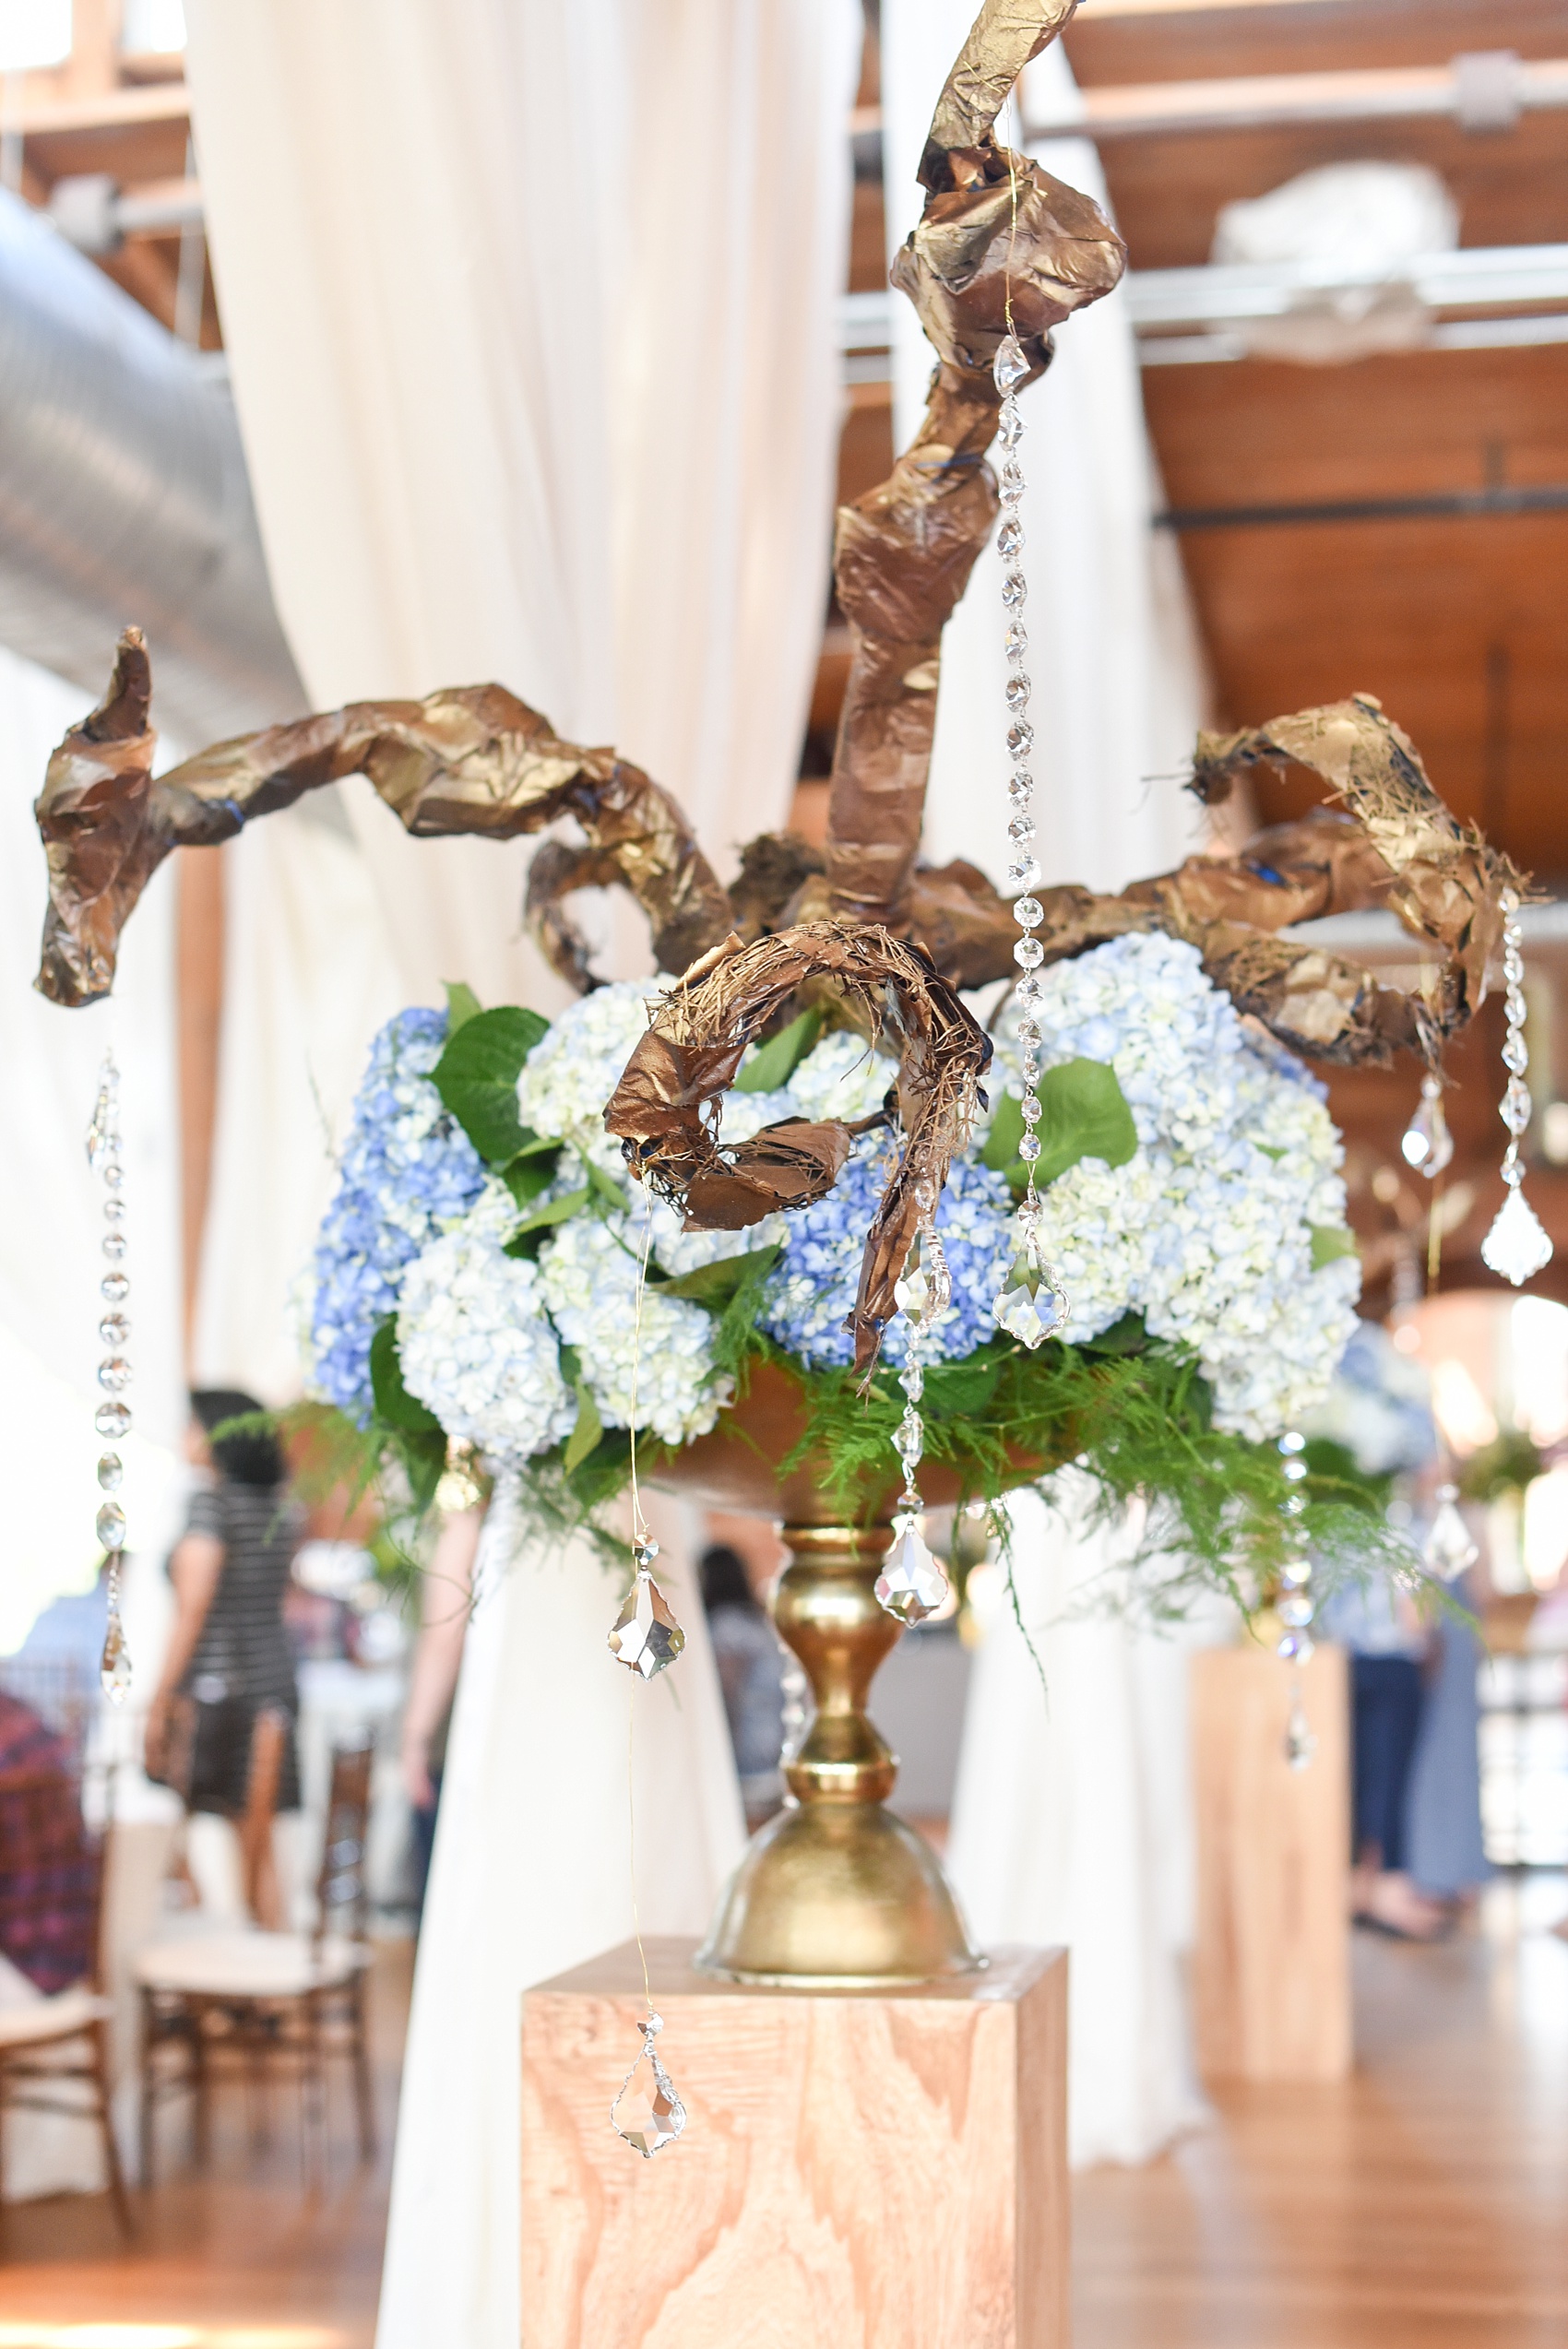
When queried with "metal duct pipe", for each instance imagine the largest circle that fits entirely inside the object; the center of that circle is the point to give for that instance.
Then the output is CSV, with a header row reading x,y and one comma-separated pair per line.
x,y
124,497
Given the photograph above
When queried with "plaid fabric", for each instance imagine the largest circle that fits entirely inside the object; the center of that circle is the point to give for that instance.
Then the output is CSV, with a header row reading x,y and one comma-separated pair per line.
x,y
49,1870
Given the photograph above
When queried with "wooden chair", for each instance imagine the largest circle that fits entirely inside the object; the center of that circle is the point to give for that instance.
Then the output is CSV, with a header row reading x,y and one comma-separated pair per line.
x,y
250,2003
49,2048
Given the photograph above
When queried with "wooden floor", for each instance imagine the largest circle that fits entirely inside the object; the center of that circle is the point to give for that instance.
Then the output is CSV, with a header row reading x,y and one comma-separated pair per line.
x,y
1421,2205
242,2258
1424,2201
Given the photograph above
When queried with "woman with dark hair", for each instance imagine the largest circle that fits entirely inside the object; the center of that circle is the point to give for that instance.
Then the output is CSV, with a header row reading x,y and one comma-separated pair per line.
x,y
229,1650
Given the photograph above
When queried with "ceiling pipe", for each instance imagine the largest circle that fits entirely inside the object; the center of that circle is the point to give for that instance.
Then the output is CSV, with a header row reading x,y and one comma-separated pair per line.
x,y
124,497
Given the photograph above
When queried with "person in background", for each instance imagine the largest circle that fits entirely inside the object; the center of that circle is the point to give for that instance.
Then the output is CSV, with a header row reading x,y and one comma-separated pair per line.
x,y
229,1650
751,1673
1387,1646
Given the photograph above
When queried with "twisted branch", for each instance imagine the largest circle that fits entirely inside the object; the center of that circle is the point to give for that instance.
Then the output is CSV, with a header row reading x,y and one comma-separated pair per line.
x,y
663,1109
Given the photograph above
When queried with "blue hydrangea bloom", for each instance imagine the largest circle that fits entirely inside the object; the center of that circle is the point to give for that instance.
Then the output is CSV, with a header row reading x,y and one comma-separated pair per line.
x,y
812,1287
406,1173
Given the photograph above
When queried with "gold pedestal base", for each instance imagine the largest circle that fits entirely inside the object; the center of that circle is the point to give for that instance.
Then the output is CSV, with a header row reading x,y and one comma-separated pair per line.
x,y
837,1895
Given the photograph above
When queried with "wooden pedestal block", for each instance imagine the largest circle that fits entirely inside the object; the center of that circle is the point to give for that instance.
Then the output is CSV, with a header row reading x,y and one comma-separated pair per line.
x,y
859,2170
1271,1965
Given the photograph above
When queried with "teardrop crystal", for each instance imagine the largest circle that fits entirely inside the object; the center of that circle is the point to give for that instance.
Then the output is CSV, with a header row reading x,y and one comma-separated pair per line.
x,y
1449,1547
644,1636
1517,1247
1427,1144
114,1666
1030,1307
111,1525
911,1585
648,2113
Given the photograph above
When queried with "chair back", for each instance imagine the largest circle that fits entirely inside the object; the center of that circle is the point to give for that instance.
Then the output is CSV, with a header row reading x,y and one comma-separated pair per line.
x,y
50,1879
340,1887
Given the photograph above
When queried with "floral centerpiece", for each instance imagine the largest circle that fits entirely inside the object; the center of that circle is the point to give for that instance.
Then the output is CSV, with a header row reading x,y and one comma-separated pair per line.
x,y
477,1272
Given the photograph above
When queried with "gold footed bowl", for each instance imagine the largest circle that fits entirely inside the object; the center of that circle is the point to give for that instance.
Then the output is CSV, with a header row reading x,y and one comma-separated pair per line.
x,y
834,1893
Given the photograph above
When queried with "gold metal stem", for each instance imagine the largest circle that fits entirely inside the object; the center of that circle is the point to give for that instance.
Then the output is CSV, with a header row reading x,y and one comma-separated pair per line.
x,y
836,1891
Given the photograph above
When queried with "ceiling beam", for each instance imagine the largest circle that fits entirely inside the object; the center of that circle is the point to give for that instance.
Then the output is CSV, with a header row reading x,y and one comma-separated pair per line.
x,y
1485,91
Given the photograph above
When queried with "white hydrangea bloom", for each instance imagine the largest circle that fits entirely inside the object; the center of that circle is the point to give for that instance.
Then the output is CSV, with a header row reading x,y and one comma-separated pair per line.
x,y
1208,1229
474,1339
568,1077
589,1277
841,1078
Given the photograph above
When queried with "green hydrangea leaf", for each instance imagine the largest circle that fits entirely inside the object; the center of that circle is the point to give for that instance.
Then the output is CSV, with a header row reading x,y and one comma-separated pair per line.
x,y
1330,1241
532,1171
588,1431
532,1232
775,1062
477,1079
393,1402
1084,1114
715,1285
462,1005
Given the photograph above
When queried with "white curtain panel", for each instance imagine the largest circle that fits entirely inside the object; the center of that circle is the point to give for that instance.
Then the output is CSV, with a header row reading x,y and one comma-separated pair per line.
x,y
310,974
1071,1816
530,314
51,1205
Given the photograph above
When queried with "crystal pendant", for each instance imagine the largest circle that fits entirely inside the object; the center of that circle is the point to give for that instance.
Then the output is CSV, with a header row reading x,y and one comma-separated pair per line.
x,y
1294,1648
1300,1742
1448,1548
1033,1305
924,1288
114,1667
1010,366
1427,1144
112,1419
1516,1246
111,1525
648,2113
911,1585
114,1288
644,1636
114,1375
110,1469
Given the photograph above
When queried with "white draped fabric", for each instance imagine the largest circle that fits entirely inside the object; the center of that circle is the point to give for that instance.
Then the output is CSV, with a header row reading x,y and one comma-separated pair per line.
x,y
51,1204
532,1874
529,310
1071,1821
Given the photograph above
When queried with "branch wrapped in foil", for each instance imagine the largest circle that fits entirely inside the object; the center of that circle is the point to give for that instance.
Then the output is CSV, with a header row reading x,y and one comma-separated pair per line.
x,y
999,238
662,1109
474,759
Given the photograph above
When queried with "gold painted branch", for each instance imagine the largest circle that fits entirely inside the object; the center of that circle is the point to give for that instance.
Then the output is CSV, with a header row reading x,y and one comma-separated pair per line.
x,y
473,759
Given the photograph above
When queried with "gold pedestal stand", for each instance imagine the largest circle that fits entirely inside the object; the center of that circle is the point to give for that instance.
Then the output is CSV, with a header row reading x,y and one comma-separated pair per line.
x,y
835,1890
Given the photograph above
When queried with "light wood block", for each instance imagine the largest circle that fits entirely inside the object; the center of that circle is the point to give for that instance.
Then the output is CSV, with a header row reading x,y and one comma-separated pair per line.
x,y
1271,1963
859,2170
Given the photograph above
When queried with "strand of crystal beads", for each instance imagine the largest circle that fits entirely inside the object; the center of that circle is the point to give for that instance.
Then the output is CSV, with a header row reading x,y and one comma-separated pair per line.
x,y
911,1585
1032,1304
1516,1246
1295,1606
112,1418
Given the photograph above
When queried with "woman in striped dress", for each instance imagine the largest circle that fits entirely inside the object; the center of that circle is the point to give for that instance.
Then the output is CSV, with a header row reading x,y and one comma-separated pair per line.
x,y
229,1650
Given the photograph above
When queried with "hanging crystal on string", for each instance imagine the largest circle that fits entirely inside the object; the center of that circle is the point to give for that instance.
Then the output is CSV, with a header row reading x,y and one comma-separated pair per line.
x,y
1032,1304
113,1419
648,2113
911,1585
1427,1144
1449,1547
644,1636
1517,1247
